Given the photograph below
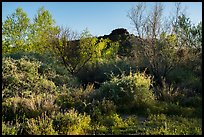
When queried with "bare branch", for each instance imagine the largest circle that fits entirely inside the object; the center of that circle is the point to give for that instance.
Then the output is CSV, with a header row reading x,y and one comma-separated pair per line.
x,y
137,16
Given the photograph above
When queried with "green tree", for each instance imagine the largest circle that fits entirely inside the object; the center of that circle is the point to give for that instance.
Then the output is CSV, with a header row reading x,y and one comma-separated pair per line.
x,y
188,35
15,32
42,27
75,51
66,47
18,33
189,40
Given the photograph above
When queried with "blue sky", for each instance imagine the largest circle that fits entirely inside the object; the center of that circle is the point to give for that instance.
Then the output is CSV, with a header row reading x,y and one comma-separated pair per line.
x,y
99,17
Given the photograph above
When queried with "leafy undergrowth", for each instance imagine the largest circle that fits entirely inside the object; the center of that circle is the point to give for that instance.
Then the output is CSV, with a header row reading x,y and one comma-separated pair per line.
x,y
39,98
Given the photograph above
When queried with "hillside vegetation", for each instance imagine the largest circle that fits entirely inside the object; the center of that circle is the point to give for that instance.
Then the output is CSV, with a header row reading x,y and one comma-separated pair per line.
x,y
57,82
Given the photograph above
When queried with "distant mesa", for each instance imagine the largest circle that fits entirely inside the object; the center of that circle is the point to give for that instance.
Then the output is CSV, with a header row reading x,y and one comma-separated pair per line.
x,y
119,31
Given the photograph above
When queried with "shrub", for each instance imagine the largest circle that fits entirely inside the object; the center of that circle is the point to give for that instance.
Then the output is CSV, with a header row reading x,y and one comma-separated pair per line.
x,y
97,109
30,107
131,120
169,92
113,120
107,107
72,123
20,76
74,97
58,75
99,129
186,78
9,129
109,124
24,77
132,90
40,126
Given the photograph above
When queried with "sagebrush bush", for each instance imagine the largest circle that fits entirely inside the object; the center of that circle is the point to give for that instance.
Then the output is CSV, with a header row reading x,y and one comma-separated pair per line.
x,y
24,77
74,97
130,90
43,125
20,76
28,107
99,108
72,123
